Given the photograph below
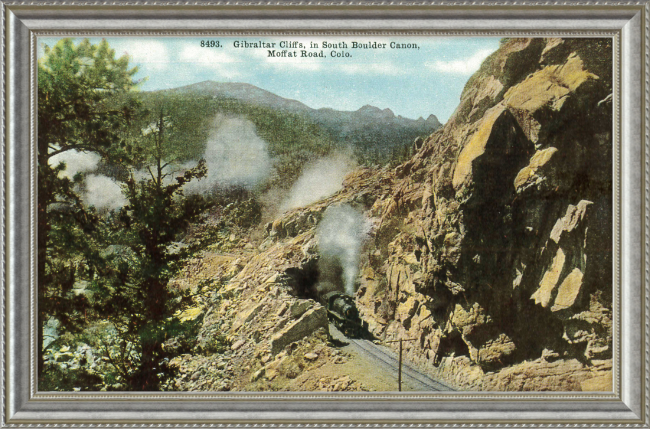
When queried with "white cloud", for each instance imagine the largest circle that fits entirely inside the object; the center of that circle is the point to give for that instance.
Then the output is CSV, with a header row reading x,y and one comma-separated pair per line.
x,y
225,64
464,66
319,180
75,162
234,154
152,53
375,68
103,193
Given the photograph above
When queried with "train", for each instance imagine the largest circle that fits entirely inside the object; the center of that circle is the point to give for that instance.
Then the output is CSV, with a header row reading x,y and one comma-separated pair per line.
x,y
343,313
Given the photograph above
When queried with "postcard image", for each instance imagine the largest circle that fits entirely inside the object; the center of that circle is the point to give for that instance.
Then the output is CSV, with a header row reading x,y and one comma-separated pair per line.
x,y
324,213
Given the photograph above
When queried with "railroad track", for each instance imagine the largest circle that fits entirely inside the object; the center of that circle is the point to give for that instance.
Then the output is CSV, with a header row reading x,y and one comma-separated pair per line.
x,y
414,376
387,358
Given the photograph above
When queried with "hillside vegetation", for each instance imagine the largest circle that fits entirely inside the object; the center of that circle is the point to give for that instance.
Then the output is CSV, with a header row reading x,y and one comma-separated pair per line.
x,y
296,134
492,245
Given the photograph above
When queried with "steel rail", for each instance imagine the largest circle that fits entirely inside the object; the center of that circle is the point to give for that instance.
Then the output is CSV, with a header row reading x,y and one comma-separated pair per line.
x,y
410,372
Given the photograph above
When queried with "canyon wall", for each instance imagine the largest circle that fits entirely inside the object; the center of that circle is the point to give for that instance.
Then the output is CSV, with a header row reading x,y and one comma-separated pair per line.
x,y
495,248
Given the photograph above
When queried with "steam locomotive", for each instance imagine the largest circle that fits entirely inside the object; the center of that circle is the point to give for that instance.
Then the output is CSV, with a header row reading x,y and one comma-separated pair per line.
x,y
342,311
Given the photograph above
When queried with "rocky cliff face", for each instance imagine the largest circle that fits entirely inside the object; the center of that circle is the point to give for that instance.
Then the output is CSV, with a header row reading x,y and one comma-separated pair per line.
x,y
495,249
492,246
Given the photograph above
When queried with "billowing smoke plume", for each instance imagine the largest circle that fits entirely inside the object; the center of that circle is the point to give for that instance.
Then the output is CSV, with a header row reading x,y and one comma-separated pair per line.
x,y
319,180
103,192
341,235
235,155
75,162
99,191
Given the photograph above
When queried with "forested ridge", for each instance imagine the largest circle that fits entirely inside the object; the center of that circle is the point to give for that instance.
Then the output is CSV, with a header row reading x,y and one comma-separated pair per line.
x,y
131,184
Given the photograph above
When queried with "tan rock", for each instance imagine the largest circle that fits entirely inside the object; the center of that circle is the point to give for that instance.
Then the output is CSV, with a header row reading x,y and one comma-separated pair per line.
x,y
271,374
568,291
538,160
282,309
298,308
465,320
410,258
237,345
496,350
602,383
314,319
405,311
549,86
247,315
542,295
476,145
573,217
257,375
273,278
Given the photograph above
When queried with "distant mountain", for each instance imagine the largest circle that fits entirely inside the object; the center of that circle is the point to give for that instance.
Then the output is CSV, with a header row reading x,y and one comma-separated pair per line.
x,y
243,92
367,129
296,135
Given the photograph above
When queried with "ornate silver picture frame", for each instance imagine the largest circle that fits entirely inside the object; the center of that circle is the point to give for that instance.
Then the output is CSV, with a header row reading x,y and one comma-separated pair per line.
x,y
626,24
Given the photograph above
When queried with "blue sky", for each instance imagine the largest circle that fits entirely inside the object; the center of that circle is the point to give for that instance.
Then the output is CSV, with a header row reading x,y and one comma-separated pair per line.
x,y
411,82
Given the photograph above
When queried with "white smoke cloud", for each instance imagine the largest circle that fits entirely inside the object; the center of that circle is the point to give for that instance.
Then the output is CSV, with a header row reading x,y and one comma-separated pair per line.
x,y
75,162
319,180
234,155
99,191
341,235
465,66
103,192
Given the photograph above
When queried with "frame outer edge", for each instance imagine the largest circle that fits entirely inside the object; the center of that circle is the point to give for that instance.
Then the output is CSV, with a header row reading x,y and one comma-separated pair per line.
x,y
646,208
2,211
19,171
17,205
630,214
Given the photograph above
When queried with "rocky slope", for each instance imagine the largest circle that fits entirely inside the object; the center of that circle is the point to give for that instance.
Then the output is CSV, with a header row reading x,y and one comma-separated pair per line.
x,y
495,248
492,245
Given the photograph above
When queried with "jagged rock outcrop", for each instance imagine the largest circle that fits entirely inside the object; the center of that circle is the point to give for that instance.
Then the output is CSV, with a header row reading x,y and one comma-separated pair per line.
x,y
495,248
307,324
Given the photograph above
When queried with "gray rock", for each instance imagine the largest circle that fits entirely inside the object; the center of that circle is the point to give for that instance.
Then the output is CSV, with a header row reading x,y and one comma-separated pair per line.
x,y
237,345
299,308
257,375
310,322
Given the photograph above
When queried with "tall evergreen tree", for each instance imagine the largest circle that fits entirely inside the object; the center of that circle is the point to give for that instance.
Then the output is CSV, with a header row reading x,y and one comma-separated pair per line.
x,y
76,85
137,299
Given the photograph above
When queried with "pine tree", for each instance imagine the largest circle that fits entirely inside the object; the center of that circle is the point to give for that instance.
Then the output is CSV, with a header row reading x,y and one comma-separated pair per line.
x,y
138,300
76,85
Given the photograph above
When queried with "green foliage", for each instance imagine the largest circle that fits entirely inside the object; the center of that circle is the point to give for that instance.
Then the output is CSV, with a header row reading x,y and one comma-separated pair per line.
x,y
76,84
135,295
67,380
293,139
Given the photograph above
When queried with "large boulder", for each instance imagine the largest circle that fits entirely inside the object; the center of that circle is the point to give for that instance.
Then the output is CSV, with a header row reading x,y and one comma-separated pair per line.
x,y
311,321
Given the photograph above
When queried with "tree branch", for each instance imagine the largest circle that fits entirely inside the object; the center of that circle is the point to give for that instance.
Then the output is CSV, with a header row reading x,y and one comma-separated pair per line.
x,y
152,176
82,147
